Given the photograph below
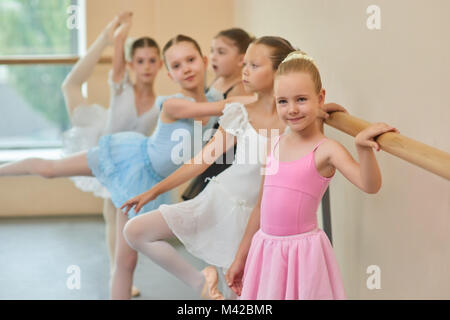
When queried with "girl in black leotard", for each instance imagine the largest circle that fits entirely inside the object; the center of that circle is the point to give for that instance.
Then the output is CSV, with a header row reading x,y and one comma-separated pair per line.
x,y
227,55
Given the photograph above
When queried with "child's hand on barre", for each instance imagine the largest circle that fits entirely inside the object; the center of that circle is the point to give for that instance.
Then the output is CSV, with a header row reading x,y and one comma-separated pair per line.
x,y
366,138
139,201
330,107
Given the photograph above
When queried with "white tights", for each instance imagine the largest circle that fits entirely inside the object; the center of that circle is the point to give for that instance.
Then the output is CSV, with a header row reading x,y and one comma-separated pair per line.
x,y
146,233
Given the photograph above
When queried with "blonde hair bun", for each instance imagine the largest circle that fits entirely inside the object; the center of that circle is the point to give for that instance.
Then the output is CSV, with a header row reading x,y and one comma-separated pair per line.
x,y
298,55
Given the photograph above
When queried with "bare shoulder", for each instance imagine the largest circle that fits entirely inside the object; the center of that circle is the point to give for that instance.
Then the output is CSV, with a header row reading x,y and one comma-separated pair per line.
x,y
330,147
324,157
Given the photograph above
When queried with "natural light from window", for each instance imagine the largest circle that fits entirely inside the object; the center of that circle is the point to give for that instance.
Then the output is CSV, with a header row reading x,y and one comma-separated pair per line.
x,y
32,109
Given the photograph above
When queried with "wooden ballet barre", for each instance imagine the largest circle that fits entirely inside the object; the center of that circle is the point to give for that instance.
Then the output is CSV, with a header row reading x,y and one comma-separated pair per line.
x,y
415,152
65,59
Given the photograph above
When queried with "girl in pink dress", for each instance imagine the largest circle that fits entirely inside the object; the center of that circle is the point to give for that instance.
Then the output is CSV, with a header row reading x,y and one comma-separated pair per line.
x,y
283,255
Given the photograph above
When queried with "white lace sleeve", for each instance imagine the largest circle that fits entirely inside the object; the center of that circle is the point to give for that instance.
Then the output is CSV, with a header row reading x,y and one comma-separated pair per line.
x,y
234,118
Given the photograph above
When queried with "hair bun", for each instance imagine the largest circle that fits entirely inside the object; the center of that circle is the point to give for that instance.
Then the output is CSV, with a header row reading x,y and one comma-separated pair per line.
x,y
298,55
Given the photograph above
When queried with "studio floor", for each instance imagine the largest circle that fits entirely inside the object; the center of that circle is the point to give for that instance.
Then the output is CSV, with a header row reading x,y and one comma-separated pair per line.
x,y
37,253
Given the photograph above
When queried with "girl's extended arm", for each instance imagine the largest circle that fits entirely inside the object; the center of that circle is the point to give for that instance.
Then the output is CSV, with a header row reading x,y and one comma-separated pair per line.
x,y
82,70
236,271
219,143
182,109
120,37
366,174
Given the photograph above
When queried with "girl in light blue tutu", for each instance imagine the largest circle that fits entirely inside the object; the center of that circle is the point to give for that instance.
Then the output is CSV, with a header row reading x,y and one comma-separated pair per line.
x,y
129,163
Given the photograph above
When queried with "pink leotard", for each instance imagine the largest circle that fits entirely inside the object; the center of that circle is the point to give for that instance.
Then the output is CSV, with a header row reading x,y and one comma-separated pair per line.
x,y
292,195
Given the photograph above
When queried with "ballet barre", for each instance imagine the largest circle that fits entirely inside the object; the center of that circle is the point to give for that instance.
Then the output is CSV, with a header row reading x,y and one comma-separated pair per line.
x,y
47,59
415,152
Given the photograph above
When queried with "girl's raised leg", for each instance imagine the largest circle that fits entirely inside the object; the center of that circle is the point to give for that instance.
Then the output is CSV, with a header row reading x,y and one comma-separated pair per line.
x,y
146,233
83,69
75,165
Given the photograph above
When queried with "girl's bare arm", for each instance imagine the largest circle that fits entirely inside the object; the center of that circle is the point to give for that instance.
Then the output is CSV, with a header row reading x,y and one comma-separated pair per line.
x,y
182,109
366,174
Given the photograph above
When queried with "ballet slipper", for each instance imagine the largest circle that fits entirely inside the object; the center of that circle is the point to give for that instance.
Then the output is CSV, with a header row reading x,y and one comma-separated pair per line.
x,y
125,17
124,20
135,292
210,291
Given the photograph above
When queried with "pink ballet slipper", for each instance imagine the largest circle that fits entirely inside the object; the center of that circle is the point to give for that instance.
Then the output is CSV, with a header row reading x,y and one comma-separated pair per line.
x,y
210,291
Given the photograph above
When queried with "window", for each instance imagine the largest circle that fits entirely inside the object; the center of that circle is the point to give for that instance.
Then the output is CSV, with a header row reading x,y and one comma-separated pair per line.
x,y
32,109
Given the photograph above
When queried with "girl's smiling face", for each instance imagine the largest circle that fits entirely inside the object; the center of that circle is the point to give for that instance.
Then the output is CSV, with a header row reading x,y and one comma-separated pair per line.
x,y
297,100
146,63
186,65
225,57
258,73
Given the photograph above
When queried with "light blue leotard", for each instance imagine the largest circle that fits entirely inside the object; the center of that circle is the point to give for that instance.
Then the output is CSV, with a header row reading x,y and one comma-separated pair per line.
x,y
129,163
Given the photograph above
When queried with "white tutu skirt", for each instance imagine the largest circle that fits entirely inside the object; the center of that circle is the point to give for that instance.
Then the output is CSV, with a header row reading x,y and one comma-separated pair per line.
x,y
88,125
211,225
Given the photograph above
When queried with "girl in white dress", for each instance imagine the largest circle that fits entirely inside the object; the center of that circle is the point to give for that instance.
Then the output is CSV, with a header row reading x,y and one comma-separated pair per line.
x,y
212,224
131,105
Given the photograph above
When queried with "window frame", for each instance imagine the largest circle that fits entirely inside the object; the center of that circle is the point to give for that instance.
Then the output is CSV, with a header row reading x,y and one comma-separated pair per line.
x,y
18,152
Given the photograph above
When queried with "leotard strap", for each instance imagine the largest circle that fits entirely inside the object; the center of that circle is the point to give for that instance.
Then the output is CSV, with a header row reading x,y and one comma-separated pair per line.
x,y
319,143
279,137
225,94
275,145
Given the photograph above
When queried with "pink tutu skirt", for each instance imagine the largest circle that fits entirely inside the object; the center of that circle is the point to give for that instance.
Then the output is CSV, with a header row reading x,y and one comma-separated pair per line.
x,y
297,267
